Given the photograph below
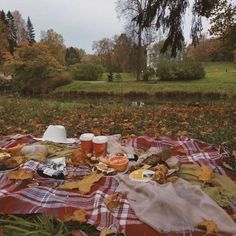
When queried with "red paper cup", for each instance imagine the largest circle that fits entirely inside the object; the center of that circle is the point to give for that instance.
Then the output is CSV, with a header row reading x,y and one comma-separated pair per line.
x,y
86,143
100,146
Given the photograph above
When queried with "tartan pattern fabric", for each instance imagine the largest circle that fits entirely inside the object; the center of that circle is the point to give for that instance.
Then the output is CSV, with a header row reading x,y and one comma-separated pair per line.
x,y
186,149
41,195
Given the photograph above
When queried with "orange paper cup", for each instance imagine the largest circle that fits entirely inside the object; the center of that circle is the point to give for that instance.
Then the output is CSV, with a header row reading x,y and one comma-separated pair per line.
x,y
86,143
100,146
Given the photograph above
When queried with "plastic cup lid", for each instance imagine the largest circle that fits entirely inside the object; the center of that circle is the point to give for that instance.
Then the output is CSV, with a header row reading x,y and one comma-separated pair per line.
x,y
86,137
100,139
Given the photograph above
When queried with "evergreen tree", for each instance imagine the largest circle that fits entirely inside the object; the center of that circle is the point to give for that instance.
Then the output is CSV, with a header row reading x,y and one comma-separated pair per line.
x,y
12,38
4,32
3,17
30,32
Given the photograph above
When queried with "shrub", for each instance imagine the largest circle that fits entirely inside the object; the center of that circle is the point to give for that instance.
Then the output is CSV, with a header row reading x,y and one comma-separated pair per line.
x,y
33,67
180,70
45,86
85,72
118,77
5,85
110,77
148,73
36,62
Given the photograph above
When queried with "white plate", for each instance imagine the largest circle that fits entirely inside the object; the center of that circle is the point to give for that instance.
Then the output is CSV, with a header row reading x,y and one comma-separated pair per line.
x,y
141,175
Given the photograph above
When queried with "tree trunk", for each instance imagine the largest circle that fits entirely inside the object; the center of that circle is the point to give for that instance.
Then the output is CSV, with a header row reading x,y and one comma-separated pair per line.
x,y
139,56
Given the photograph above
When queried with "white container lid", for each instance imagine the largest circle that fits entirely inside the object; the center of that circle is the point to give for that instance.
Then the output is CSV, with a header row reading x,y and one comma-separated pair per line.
x,y
86,137
100,139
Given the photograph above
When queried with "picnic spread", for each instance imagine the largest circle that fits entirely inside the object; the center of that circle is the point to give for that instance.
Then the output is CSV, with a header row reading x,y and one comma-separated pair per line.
x,y
139,186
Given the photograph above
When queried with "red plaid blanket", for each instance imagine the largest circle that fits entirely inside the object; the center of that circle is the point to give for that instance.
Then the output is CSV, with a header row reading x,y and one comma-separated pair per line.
x,y
41,195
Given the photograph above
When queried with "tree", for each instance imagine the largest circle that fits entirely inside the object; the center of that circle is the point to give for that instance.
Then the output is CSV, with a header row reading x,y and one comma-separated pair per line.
x,y
128,9
30,32
73,55
55,43
4,43
223,26
12,38
105,50
3,17
154,55
206,50
122,51
20,27
168,15
33,65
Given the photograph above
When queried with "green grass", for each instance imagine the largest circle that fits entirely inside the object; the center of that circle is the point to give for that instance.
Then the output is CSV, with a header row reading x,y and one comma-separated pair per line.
x,y
216,80
213,122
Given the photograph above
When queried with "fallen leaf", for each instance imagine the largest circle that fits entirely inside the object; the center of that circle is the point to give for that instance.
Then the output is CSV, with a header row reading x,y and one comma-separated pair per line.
x,y
210,226
1,232
84,185
20,175
233,216
204,173
77,233
105,232
19,159
182,133
79,215
112,201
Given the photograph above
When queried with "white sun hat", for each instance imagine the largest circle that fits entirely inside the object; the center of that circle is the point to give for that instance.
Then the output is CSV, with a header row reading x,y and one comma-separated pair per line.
x,y
56,134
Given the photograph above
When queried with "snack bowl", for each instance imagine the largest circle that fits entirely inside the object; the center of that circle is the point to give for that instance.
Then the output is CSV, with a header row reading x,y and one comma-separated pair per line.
x,y
118,162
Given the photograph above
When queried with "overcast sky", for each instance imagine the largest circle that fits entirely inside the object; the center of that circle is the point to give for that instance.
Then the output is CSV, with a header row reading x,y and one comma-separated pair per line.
x,y
79,21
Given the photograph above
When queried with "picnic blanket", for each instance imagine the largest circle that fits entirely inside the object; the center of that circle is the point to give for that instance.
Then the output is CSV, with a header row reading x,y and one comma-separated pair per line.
x,y
41,195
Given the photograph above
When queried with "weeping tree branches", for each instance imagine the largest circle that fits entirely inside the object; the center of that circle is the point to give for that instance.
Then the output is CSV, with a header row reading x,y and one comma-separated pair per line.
x,y
168,15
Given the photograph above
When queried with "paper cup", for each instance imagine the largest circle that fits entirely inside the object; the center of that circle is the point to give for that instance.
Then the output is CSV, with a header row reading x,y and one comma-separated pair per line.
x,y
86,143
100,146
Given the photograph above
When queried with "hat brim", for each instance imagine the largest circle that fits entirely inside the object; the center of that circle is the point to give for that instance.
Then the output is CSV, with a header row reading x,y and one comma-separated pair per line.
x,y
67,141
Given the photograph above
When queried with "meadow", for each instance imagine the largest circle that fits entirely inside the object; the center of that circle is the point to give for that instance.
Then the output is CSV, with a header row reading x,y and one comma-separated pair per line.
x,y
220,78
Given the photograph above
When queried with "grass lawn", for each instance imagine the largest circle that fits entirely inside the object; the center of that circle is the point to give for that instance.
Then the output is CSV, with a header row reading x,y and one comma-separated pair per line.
x,y
212,123
220,77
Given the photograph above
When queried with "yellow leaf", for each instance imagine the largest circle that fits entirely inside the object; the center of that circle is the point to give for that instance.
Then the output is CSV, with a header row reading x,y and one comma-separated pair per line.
x,y
204,173
210,226
105,232
182,133
20,175
84,185
112,201
79,215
